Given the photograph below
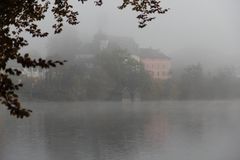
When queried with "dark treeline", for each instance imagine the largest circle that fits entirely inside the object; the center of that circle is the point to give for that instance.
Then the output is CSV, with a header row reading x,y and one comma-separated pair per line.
x,y
114,76
194,83
108,72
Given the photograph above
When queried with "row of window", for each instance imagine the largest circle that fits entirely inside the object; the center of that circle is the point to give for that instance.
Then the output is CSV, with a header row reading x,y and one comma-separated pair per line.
x,y
159,74
155,66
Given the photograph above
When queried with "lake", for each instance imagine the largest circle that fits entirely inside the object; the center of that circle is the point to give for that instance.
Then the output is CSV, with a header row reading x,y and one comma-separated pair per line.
x,y
167,130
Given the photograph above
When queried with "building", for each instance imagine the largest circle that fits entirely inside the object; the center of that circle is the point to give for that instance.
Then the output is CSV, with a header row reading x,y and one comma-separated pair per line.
x,y
34,73
156,63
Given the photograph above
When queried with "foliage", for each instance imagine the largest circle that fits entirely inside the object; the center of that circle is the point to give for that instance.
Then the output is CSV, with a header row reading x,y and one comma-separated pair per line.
x,y
19,16
127,73
193,83
104,81
190,84
106,76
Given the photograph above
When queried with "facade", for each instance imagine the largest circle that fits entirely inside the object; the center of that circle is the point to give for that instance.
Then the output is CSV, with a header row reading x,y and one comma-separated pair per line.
x,y
157,64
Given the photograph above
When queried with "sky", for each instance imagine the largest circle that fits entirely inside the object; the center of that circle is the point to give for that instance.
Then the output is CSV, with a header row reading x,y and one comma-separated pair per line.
x,y
189,24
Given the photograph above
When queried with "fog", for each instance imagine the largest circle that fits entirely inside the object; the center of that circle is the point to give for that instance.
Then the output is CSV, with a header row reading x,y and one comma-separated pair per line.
x,y
192,32
206,25
199,38
168,91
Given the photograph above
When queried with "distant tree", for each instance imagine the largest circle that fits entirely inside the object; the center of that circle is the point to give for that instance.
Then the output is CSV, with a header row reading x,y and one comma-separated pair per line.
x,y
18,16
191,82
225,84
126,73
105,76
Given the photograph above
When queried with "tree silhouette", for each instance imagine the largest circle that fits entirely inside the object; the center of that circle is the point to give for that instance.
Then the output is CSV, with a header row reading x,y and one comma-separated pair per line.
x,y
18,16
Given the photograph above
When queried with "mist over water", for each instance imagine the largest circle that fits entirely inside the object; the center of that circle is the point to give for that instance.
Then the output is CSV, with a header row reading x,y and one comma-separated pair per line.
x,y
110,102
126,131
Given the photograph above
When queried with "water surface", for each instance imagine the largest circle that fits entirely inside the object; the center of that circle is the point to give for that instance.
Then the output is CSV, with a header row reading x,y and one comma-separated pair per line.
x,y
179,130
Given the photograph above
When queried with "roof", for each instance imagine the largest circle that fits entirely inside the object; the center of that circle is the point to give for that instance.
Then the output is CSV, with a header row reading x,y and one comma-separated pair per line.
x,y
152,53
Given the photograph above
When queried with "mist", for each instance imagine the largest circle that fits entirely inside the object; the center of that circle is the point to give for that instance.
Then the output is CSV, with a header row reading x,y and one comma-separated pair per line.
x,y
170,90
189,24
123,71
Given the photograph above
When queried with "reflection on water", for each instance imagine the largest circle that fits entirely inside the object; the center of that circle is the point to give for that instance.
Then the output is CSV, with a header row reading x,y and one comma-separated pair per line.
x,y
115,131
